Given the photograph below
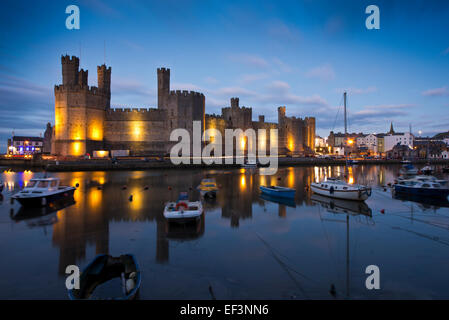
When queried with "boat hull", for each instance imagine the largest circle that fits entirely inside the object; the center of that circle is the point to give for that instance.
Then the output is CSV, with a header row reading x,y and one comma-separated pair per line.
x,y
422,192
102,276
278,193
44,200
354,195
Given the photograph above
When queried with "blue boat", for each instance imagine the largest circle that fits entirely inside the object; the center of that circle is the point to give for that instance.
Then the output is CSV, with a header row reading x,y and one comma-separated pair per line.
x,y
289,202
103,270
421,188
277,191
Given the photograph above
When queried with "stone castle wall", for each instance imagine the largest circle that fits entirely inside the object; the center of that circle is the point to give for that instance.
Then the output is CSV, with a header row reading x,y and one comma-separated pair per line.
x,y
84,120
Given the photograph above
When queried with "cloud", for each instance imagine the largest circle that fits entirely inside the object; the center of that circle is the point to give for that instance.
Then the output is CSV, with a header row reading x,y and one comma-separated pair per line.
x,y
250,60
324,72
354,91
278,93
211,80
370,114
280,31
233,91
437,92
185,86
281,65
248,78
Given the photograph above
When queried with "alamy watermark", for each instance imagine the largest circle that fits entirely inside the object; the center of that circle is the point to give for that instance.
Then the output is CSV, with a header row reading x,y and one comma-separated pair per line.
x,y
212,153
373,20
73,20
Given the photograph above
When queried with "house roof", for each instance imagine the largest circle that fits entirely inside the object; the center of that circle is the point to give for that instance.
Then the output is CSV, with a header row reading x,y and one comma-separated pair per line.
x,y
26,138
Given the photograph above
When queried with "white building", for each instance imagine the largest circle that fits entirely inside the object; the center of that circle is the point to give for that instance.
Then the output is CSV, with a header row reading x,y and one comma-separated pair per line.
x,y
369,141
320,142
392,139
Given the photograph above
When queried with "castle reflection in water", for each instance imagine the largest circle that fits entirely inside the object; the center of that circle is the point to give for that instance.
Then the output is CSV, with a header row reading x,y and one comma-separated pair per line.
x,y
102,198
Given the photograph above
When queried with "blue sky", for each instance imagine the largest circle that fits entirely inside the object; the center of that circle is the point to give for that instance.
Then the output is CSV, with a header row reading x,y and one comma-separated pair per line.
x,y
301,54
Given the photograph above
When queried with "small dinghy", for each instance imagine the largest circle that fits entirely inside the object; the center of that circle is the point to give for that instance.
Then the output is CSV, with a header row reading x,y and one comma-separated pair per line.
x,y
277,191
42,192
103,270
339,189
208,188
183,210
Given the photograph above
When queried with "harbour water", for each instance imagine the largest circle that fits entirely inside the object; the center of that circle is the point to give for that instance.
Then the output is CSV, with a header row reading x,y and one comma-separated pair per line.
x,y
245,246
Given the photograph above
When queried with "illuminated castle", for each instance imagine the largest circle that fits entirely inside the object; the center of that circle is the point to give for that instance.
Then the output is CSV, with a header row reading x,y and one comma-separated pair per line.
x,y
85,121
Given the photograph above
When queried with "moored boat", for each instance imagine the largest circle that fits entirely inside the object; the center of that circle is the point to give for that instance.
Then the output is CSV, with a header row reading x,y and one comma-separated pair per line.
x,y
250,164
408,170
427,170
277,191
339,189
103,270
208,188
42,192
422,188
183,210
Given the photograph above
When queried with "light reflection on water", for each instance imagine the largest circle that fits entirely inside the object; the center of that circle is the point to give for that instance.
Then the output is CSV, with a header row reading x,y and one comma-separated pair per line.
x,y
245,247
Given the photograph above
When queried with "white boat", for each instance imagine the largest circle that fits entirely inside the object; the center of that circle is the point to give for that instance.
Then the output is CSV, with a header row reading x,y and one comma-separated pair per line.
x,y
250,164
183,210
43,191
336,188
408,170
427,170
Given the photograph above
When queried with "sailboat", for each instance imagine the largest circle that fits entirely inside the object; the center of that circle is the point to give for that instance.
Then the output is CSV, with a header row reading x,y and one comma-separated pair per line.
x,y
336,188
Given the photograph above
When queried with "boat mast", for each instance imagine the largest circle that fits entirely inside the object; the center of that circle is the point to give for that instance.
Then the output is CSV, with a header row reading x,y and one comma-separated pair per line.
x,y
346,122
347,255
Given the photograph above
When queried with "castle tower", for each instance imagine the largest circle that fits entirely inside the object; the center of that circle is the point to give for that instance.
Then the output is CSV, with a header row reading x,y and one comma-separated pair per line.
x,y
104,83
82,78
80,110
234,103
70,66
163,87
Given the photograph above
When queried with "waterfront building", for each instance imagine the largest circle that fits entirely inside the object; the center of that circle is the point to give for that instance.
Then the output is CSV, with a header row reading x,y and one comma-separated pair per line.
x,y
25,145
393,138
85,121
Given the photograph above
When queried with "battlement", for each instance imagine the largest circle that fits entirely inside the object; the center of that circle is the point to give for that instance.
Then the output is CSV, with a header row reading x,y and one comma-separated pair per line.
x,y
185,93
136,114
70,60
103,68
78,89
163,70
214,116
234,102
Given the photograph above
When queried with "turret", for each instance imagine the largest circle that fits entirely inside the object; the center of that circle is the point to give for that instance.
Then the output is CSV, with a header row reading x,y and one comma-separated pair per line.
x,y
82,77
70,67
163,87
104,78
234,103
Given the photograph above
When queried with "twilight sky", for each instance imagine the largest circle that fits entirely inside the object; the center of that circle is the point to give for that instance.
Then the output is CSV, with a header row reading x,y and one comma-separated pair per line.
x,y
301,54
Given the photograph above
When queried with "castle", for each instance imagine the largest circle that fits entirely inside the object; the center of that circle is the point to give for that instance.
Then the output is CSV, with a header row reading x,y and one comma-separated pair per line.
x,y
85,121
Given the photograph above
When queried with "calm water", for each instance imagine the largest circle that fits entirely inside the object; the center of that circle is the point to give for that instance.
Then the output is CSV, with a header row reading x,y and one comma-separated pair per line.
x,y
245,247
